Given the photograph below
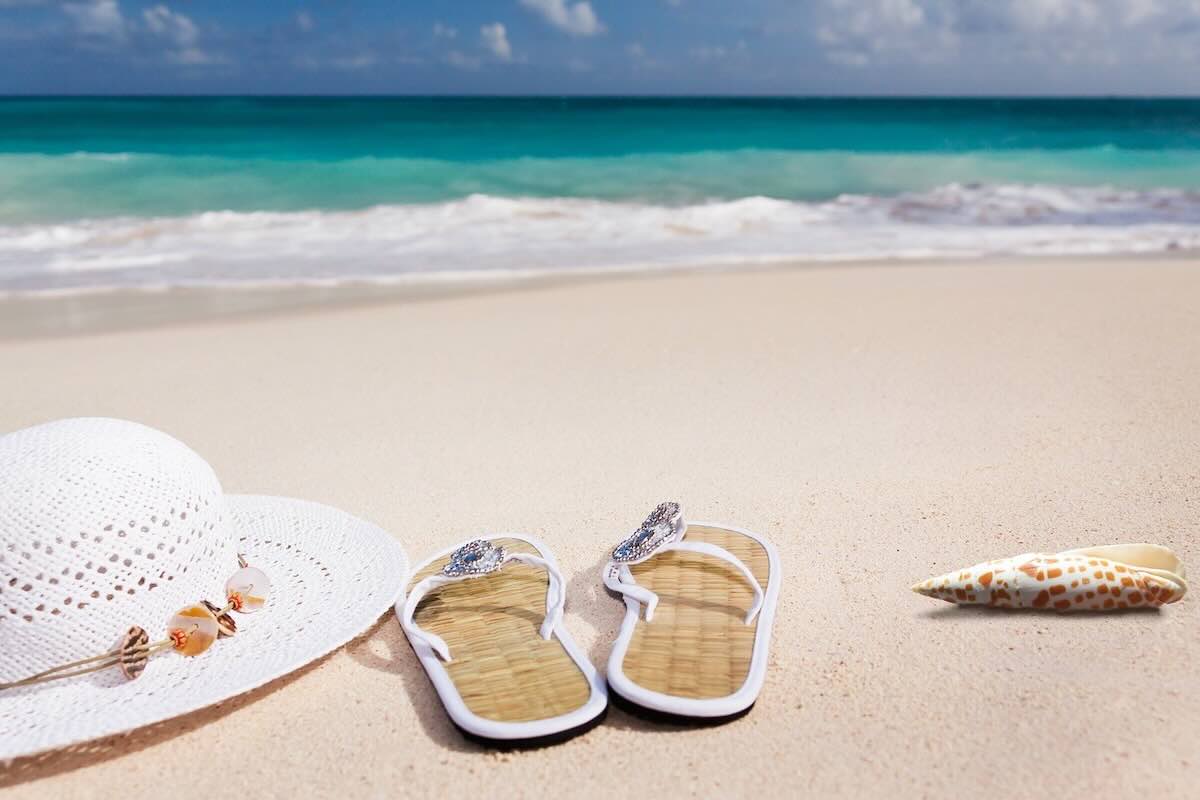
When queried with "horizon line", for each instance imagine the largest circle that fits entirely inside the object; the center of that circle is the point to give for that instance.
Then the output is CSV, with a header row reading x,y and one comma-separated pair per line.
x,y
586,96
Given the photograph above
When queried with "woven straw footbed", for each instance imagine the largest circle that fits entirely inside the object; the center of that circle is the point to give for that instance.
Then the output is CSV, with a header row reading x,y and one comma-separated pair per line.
x,y
698,645
502,667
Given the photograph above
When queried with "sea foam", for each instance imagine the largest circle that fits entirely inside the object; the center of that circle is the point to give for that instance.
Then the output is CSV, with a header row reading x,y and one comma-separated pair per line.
x,y
490,237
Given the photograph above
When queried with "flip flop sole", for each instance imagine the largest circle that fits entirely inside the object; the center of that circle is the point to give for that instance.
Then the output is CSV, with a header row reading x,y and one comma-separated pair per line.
x,y
533,742
667,718
698,661
505,686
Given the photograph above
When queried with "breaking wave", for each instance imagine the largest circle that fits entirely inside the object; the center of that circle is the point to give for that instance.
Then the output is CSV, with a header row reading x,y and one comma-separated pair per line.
x,y
484,236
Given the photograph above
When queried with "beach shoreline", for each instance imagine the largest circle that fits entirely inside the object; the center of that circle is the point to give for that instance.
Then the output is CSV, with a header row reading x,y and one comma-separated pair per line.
x,y
879,423
34,315
262,189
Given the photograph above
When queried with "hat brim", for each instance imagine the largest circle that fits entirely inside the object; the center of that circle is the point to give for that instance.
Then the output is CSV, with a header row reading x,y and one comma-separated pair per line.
x,y
333,576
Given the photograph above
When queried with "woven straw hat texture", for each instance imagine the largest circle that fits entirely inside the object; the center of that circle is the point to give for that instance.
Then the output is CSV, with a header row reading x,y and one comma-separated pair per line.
x,y
106,524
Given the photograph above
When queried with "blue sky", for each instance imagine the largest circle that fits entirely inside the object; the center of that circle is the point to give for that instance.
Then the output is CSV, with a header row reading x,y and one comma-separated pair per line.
x,y
602,46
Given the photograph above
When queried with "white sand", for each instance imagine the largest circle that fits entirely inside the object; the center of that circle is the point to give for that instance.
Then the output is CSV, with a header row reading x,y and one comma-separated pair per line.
x,y
880,424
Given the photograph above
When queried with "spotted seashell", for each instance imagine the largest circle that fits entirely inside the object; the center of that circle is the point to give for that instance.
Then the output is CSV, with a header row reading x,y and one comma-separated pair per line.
x,y
134,652
1106,578
225,624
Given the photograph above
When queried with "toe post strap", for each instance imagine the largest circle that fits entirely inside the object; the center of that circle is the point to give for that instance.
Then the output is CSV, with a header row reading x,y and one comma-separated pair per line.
x,y
662,532
477,559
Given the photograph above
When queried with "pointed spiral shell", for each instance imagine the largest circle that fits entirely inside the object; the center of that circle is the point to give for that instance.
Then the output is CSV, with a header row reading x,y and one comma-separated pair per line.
x,y
1071,581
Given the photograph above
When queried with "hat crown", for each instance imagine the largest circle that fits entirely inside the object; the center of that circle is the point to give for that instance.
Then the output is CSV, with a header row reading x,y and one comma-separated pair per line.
x,y
103,524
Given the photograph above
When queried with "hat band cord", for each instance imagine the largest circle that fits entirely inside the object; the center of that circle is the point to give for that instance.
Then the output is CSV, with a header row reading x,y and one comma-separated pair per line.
x,y
135,650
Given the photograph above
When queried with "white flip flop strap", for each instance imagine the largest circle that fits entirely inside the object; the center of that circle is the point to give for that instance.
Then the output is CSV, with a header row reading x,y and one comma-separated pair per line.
x,y
555,599
619,577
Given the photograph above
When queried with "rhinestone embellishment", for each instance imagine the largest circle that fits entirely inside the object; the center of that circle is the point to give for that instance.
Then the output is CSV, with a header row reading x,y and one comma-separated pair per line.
x,y
665,524
474,558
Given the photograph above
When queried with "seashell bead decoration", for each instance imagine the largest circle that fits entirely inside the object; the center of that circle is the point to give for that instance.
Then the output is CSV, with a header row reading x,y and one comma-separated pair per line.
x,y
190,631
133,652
193,630
248,589
226,626
1104,578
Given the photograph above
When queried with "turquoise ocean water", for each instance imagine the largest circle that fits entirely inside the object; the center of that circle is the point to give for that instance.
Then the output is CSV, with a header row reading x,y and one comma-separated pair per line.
x,y
162,191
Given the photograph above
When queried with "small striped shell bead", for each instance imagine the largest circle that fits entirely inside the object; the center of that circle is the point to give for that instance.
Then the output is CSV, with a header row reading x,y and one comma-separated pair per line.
x,y
193,629
134,652
248,589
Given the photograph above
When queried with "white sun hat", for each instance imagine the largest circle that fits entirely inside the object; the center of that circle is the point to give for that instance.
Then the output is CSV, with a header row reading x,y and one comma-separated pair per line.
x,y
106,524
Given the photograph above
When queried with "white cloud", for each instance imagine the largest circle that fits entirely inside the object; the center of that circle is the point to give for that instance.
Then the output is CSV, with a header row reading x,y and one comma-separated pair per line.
x,y
639,56
103,19
97,18
351,62
175,33
305,21
1141,10
872,17
441,31
577,19
167,23
183,37
495,39
980,35
1043,14
859,32
461,60
904,13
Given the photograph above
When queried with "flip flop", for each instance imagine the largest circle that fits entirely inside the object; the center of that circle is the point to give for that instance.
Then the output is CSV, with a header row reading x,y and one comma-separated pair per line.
x,y
485,620
700,653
